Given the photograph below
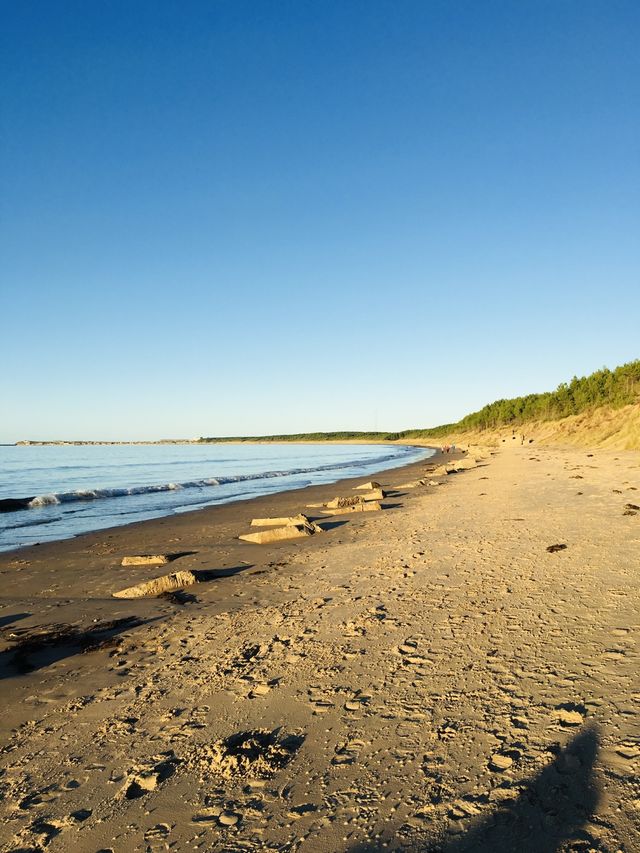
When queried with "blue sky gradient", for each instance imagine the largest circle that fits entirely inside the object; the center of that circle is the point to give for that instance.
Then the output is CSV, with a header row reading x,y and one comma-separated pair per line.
x,y
256,217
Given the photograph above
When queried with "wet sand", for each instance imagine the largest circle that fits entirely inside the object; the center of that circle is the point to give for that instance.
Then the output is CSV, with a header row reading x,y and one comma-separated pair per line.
x,y
430,677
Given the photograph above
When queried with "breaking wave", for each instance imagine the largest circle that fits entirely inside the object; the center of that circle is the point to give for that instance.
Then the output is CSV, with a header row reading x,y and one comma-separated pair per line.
x,y
55,498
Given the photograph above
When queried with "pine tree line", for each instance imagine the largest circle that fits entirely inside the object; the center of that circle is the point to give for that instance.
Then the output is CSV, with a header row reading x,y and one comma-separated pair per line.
x,y
605,387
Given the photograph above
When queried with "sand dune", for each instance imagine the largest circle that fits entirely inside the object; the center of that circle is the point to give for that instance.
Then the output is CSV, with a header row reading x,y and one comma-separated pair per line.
x,y
603,427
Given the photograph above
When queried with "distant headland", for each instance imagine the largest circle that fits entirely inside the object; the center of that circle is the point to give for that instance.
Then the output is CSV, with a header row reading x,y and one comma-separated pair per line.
x,y
62,443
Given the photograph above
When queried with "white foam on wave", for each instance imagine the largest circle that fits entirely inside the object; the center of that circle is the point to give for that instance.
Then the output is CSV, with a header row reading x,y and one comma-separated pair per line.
x,y
53,499
59,515
44,500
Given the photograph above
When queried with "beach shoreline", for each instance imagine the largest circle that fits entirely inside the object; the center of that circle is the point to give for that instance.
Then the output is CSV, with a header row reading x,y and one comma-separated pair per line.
x,y
454,673
234,501
199,443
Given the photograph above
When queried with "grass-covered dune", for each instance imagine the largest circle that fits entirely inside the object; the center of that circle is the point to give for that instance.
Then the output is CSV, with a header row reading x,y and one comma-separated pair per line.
x,y
600,407
612,388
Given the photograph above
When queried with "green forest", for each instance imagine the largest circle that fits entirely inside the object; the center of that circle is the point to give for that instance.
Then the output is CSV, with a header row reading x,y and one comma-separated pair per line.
x,y
605,387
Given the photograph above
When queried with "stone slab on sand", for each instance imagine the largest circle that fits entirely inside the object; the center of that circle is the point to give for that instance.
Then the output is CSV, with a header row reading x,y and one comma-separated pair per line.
x,y
283,521
350,500
146,560
280,534
165,583
442,470
413,484
374,495
370,506
453,467
465,464
368,487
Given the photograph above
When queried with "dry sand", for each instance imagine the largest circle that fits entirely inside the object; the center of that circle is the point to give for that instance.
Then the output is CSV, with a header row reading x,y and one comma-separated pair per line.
x,y
429,677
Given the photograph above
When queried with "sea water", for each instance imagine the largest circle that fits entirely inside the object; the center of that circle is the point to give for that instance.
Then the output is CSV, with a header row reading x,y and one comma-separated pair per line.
x,y
76,489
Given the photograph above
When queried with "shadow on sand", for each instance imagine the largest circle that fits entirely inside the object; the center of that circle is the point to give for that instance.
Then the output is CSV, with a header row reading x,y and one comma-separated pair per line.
x,y
176,555
330,525
12,619
550,810
206,575
50,644
202,576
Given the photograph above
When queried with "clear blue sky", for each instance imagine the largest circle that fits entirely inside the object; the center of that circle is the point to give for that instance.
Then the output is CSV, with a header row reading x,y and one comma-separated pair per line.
x,y
231,217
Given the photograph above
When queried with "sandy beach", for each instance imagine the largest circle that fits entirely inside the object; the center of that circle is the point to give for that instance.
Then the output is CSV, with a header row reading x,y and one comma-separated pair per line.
x,y
433,677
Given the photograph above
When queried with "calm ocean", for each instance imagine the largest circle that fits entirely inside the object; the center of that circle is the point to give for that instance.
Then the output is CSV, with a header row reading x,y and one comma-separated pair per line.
x,y
77,489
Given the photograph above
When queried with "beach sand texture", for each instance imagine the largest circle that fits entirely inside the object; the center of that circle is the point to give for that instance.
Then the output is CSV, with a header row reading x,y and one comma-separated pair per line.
x,y
427,677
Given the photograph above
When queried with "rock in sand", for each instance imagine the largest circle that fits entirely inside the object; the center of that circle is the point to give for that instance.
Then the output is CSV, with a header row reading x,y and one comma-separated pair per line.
x,y
279,534
145,560
165,583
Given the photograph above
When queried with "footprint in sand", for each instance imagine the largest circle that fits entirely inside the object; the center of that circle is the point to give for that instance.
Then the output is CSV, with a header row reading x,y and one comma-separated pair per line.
x,y
614,654
157,833
81,815
47,830
207,815
347,752
255,753
41,797
146,781
620,632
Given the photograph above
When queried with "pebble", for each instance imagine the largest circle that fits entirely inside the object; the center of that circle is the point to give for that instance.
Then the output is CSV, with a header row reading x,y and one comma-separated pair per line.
x,y
569,718
500,762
